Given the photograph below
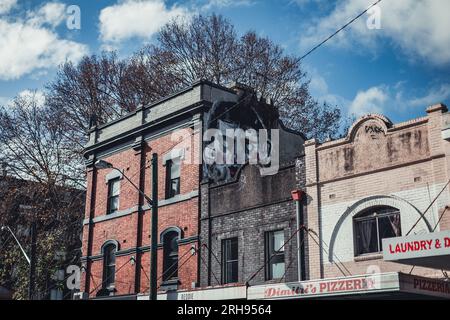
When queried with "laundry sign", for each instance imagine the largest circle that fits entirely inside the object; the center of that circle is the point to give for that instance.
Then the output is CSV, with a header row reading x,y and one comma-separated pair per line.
x,y
416,246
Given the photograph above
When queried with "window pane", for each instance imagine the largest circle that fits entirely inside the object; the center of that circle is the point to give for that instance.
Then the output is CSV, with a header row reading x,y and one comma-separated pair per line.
x,y
233,254
175,168
114,204
175,187
278,240
366,236
389,227
277,270
230,260
170,255
115,187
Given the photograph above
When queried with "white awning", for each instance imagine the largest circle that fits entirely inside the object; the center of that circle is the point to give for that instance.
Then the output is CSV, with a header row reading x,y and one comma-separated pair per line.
x,y
390,284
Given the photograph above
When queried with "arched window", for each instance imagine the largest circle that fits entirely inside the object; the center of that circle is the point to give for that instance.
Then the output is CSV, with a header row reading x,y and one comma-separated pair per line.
x,y
373,225
109,265
170,255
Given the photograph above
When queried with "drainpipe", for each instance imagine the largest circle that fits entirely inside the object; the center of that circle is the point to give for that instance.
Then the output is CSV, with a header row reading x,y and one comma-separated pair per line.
x,y
297,196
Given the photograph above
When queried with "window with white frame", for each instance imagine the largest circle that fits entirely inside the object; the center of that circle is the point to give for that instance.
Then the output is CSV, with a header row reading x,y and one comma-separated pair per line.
x,y
113,195
275,267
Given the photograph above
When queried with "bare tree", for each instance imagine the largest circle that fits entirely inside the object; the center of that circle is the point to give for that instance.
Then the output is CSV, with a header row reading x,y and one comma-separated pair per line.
x,y
36,146
44,184
204,47
207,47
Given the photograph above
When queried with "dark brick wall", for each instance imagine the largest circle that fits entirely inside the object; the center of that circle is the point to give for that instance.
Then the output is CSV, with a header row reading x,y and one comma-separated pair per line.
x,y
247,209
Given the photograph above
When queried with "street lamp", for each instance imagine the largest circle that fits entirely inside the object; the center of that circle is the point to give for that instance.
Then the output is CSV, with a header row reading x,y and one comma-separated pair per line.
x,y
3,228
32,261
102,164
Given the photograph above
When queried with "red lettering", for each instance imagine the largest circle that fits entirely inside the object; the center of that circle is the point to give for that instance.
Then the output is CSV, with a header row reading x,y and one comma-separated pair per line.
x,y
270,292
390,249
349,285
447,242
423,245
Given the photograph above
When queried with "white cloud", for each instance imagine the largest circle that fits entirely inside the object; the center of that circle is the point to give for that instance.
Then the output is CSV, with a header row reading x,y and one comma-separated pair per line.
x,y
136,18
29,96
435,95
7,5
226,3
418,27
32,44
52,13
319,89
369,101
36,97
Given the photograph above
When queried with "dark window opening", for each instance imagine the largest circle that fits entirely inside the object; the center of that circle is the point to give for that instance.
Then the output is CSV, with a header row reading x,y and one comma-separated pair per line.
x,y
230,260
374,225
172,178
113,195
275,267
109,266
170,256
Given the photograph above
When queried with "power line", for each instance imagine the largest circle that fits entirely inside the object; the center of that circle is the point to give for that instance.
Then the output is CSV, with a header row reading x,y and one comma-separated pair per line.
x,y
434,229
274,254
426,210
335,33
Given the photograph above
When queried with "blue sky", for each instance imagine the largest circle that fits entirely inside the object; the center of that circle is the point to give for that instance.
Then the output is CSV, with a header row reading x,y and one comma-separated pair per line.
x,y
398,69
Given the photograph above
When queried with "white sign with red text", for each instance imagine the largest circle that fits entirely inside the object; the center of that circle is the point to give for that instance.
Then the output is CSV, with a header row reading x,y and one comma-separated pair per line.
x,y
417,246
326,287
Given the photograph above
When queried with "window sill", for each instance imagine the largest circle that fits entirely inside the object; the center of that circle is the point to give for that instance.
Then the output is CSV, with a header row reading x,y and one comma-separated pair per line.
x,y
367,257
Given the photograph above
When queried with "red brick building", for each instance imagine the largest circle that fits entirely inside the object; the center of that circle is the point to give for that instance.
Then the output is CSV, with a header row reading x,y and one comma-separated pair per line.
x,y
116,233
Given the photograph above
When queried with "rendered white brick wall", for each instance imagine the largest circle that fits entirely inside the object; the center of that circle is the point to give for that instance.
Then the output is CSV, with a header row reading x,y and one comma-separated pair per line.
x,y
419,198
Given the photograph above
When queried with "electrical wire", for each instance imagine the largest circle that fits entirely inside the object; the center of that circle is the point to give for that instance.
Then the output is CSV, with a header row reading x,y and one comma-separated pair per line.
x,y
434,229
327,251
339,30
290,263
428,208
214,275
179,267
110,276
270,258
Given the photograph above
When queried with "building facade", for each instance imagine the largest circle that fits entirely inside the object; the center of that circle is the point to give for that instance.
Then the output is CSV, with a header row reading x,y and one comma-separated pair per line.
x,y
248,222
229,229
382,180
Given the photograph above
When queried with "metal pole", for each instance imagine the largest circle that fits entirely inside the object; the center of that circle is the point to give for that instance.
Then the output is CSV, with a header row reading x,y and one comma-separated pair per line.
x,y
154,228
299,254
300,239
31,285
18,243
149,201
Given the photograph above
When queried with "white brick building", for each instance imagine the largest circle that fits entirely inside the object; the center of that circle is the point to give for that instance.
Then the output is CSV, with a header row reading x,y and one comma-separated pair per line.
x,y
378,170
